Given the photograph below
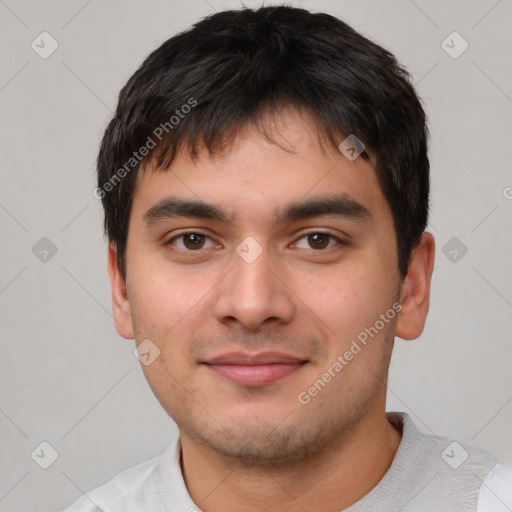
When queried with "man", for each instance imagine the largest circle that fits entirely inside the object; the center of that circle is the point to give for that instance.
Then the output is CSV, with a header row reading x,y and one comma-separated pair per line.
x,y
265,182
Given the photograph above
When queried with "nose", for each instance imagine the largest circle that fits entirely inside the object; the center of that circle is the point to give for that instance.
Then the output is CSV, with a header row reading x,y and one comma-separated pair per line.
x,y
253,294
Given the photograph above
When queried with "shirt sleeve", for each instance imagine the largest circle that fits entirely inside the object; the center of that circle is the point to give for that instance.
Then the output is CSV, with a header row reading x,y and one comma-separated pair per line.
x,y
496,491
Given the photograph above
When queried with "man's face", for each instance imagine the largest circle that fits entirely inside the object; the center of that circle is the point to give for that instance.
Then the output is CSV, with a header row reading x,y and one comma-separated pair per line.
x,y
210,303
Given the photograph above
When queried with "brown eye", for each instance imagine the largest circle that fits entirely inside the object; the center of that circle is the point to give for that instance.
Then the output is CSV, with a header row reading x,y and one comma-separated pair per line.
x,y
193,241
318,240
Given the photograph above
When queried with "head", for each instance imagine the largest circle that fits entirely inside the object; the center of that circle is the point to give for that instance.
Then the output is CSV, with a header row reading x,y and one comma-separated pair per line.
x,y
231,130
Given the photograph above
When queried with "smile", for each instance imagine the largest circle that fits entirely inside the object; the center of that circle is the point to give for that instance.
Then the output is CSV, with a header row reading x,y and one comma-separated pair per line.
x,y
254,370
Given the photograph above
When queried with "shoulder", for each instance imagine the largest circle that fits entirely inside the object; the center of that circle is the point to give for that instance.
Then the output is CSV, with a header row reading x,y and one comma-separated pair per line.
x,y
496,491
458,476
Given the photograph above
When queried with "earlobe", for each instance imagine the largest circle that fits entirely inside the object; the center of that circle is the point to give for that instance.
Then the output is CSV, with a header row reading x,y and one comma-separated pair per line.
x,y
415,295
120,302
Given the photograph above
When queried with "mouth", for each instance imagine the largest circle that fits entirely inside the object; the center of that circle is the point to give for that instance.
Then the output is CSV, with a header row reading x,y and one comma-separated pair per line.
x,y
254,369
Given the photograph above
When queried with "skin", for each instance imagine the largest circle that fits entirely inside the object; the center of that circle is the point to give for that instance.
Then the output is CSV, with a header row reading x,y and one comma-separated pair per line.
x,y
251,448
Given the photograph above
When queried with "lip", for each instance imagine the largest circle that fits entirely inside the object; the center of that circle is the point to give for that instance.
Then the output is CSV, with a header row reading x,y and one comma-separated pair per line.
x,y
259,369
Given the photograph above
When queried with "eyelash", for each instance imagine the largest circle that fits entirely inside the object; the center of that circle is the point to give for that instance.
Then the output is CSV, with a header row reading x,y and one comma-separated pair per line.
x,y
331,237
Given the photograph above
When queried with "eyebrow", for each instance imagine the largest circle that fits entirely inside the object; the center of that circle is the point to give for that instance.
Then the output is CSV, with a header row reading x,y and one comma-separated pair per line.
x,y
340,205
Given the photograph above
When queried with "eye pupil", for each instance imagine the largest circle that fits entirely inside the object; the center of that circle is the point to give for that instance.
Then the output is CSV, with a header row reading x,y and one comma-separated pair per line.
x,y
193,241
318,240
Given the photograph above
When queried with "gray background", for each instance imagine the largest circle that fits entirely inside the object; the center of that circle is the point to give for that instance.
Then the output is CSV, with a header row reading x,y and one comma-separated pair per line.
x,y
70,380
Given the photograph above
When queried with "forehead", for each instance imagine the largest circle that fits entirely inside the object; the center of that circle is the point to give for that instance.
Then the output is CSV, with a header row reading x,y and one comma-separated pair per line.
x,y
262,169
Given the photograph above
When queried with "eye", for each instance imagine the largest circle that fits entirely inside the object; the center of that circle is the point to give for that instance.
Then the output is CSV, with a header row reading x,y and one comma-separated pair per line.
x,y
191,241
317,241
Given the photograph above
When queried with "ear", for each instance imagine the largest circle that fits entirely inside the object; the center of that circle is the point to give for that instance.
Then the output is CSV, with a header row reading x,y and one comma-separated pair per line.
x,y
120,301
415,293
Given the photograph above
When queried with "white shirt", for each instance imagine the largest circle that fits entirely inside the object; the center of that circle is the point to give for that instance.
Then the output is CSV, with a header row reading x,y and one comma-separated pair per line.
x,y
426,475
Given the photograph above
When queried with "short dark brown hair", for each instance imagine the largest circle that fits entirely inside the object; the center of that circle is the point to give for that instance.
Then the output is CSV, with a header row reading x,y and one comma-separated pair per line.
x,y
237,67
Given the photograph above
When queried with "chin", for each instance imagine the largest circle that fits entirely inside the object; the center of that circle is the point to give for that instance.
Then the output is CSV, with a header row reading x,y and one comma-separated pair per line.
x,y
268,444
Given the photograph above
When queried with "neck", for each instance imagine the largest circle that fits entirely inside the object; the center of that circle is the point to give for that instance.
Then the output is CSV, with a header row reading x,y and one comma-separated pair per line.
x,y
332,480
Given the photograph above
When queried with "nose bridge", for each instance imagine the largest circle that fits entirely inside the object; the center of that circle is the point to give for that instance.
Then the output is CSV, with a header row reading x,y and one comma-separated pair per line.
x,y
251,293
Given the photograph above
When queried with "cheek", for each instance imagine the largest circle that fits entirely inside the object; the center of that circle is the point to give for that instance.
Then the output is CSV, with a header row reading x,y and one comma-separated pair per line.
x,y
347,300
169,308
163,298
